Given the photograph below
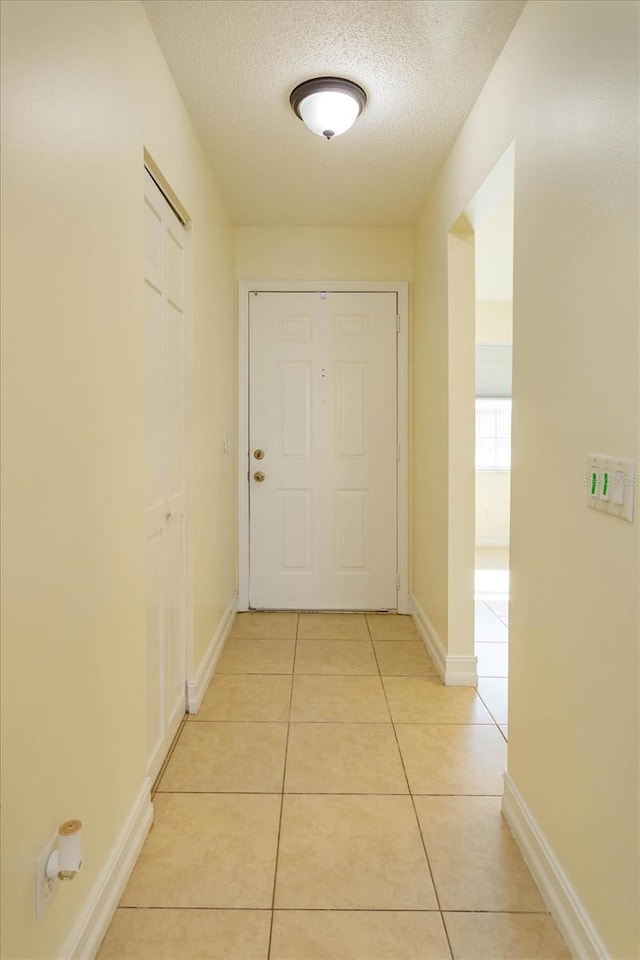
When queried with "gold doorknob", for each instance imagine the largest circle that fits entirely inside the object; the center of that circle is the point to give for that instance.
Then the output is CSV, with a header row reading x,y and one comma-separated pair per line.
x,y
258,454
258,476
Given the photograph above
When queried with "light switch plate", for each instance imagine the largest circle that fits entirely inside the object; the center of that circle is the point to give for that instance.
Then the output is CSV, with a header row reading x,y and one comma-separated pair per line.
x,y
614,488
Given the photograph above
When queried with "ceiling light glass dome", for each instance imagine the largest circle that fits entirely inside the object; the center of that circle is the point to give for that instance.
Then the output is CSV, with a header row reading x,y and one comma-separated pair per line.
x,y
328,106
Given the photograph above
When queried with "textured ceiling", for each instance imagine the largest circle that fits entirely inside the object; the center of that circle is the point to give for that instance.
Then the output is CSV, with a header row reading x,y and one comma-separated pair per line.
x,y
421,62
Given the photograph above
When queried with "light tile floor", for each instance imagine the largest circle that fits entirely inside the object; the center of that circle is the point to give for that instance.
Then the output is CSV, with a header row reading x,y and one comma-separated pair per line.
x,y
492,651
492,630
333,801
492,571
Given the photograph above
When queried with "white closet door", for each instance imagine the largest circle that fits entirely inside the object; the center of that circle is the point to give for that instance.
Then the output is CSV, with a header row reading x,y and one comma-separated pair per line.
x,y
323,410
165,502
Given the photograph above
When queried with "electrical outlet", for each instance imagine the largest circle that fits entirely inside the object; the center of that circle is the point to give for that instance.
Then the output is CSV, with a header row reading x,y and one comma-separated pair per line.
x,y
45,887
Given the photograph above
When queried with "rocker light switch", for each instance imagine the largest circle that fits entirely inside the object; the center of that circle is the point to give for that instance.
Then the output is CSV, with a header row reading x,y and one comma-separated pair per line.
x,y
611,485
618,482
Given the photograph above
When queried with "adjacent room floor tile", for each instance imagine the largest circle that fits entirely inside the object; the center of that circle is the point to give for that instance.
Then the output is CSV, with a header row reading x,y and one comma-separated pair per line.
x,y
332,626
257,656
404,658
475,862
482,609
265,626
392,626
491,630
426,700
227,757
207,850
246,698
344,758
187,935
494,691
499,605
493,659
504,936
351,853
361,935
339,699
336,657
453,758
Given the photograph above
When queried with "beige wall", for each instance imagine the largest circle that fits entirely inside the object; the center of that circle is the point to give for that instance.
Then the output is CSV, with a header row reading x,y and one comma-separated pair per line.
x,y
494,321
492,507
494,251
325,253
85,89
566,89
493,325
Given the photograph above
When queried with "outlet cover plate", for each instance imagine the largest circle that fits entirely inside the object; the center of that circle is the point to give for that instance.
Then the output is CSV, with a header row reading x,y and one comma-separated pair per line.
x,y
45,888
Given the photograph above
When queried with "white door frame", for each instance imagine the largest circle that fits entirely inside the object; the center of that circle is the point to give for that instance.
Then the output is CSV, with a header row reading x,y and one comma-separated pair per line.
x,y
399,287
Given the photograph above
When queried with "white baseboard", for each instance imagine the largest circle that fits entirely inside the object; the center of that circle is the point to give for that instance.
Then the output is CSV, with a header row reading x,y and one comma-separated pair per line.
x,y
432,641
92,924
563,902
455,671
197,687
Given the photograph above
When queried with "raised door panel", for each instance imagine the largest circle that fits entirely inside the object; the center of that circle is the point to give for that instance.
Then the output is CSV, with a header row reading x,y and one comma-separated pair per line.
x,y
175,622
351,523
296,534
155,637
294,409
174,277
153,403
350,406
174,428
153,240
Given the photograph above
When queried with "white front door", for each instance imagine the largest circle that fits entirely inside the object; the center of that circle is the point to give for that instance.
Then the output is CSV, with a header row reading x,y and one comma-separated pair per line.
x,y
165,498
323,433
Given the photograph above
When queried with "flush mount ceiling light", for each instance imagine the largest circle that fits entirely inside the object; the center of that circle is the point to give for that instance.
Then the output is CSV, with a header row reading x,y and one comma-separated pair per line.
x,y
328,106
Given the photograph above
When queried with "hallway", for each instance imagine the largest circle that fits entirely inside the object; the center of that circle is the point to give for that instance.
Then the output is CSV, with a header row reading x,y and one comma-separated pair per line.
x,y
332,800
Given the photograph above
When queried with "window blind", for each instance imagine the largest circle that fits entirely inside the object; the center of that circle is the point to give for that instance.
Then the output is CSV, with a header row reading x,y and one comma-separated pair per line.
x,y
493,369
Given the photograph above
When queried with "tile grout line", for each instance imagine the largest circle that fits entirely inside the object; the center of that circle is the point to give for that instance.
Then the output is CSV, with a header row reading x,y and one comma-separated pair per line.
x,y
488,709
415,812
479,695
403,676
426,723
155,788
284,774
516,913
321,793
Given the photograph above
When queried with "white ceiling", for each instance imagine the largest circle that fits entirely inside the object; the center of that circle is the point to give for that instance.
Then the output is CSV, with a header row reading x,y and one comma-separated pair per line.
x,y
421,62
